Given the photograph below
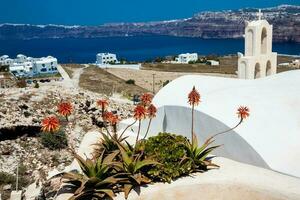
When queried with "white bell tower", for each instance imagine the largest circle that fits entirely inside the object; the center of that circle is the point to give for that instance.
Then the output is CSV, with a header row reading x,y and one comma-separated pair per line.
x,y
259,60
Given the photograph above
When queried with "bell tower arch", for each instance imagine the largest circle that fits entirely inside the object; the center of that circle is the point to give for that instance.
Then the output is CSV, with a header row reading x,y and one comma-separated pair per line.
x,y
258,50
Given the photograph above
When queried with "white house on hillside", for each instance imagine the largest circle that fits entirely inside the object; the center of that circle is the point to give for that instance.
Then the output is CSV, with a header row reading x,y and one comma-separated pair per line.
x,y
28,66
106,58
186,58
46,65
213,62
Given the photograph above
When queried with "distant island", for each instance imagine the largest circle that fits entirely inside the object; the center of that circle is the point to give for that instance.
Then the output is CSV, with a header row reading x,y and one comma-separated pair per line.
x,y
207,25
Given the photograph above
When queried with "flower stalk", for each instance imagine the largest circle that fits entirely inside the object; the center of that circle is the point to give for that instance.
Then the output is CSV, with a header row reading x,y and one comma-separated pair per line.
x,y
193,100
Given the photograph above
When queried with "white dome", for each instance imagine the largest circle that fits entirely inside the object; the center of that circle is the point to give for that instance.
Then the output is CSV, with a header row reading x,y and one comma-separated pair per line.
x,y
270,135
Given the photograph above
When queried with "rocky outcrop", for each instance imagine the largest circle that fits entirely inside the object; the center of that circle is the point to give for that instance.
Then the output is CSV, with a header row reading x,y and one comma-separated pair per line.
x,y
224,24
21,112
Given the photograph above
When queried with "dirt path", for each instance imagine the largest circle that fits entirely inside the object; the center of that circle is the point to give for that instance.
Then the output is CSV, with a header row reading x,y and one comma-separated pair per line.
x,y
76,75
67,82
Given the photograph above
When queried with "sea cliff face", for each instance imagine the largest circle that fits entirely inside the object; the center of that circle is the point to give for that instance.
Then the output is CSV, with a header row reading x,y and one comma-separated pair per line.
x,y
223,24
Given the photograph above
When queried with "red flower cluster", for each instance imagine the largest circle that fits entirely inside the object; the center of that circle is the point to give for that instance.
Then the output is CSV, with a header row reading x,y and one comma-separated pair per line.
x,y
65,108
146,98
243,112
103,103
151,111
146,108
114,120
107,116
111,118
194,97
50,124
140,112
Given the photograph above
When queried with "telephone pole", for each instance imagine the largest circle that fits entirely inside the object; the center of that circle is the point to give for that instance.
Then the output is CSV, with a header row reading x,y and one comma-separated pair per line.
x,y
153,82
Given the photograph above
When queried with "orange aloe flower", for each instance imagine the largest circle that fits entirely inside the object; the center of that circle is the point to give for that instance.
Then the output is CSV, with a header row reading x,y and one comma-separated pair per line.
x,y
146,98
114,119
65,108
50,124
107,116
243,112
103,103
194,97
139,112
151,111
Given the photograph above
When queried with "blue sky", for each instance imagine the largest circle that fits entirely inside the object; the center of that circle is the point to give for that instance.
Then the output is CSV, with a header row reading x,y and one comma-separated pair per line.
x,y
95,12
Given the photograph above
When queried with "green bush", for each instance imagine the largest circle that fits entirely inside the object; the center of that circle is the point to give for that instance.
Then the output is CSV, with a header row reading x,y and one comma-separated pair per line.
x,y
36,85
6,178
54,141
130,82
166,83
21,83
167,149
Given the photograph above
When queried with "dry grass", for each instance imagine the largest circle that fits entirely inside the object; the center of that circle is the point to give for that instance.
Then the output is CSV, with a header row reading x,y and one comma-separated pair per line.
x,y
144,78
69,71
228,65
69,68
101,81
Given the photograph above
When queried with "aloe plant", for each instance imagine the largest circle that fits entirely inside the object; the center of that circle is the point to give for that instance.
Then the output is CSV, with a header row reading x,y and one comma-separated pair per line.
x,y
97,179
198,156
130,167
108,144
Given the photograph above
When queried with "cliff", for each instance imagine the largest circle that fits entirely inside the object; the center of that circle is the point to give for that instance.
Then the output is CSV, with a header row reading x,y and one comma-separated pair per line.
x,y
223,24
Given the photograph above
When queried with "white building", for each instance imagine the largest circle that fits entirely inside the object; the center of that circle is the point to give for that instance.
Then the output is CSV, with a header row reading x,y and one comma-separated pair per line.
x,y
3,58
186,58
28,66
22,69
295,63
258,140
106,58
213,62
259,60
21,58
46,65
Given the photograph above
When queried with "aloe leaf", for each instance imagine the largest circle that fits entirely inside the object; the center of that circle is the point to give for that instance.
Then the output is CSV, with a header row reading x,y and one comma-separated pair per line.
x,y
127,189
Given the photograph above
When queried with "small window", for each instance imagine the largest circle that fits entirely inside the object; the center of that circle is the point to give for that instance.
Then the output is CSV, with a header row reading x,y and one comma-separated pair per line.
x,y
43,70
43,65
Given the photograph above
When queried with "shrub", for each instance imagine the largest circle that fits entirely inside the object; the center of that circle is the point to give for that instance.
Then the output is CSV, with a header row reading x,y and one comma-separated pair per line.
x,y
21,83
130,82
36,85
166,148
6,178
57,140
166,83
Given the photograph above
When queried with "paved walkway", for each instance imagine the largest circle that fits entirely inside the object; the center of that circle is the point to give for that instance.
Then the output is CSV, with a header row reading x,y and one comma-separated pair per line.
x,y
76,75
67,82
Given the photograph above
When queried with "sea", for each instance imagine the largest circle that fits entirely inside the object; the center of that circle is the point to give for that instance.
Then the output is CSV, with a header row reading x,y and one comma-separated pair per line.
x,y
135,48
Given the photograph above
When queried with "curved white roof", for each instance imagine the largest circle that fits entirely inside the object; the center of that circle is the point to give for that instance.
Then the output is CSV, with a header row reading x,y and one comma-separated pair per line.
x,y
4,56
273,128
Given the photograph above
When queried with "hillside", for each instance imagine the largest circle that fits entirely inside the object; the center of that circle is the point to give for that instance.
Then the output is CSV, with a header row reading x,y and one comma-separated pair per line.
x,y
100,81
222,24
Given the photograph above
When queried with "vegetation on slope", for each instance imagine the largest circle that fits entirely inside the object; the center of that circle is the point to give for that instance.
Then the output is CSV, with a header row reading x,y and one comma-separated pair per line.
x,y
98,80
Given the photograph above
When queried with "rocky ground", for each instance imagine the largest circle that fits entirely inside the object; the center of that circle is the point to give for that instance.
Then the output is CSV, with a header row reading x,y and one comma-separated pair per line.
x,y
26,107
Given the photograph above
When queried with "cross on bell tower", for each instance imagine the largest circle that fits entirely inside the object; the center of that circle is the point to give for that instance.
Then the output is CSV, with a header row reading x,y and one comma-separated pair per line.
x,y
259,14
